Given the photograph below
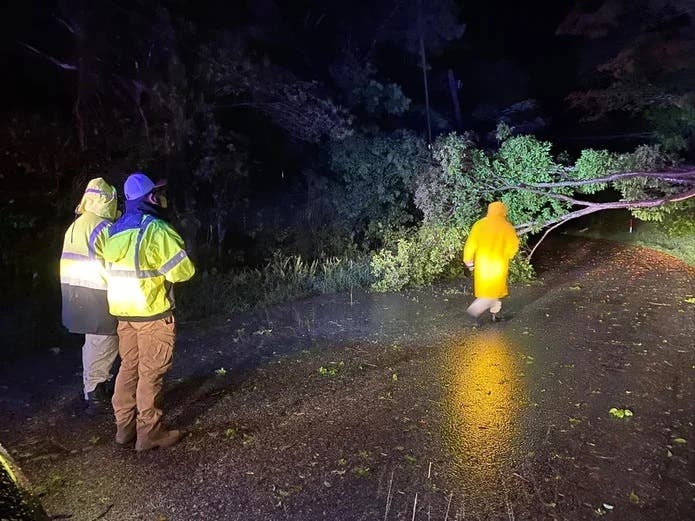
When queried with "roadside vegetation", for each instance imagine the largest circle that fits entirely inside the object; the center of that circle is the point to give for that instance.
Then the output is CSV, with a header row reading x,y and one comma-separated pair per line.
x,y
675,235
283,278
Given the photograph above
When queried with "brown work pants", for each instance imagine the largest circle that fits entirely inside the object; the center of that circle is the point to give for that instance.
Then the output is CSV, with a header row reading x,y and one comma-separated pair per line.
x,y
146,350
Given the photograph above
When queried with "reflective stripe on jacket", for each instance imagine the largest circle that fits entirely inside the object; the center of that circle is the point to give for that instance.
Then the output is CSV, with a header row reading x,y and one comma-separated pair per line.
x,y
82,271
490,246
145,258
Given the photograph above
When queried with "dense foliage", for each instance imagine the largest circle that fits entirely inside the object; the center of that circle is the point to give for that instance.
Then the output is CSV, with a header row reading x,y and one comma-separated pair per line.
x,y
375,175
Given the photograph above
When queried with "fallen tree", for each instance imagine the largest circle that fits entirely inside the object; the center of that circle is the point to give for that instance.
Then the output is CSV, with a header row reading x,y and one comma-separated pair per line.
x,y
679,178
541,191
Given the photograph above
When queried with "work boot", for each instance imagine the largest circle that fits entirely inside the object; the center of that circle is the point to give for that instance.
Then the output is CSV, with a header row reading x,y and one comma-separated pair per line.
x,y
96,408
125,433
496,317
98,401
159,438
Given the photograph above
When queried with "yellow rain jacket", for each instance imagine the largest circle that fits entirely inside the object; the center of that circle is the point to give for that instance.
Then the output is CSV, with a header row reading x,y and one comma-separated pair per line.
x,y
82,271
490,246
145,258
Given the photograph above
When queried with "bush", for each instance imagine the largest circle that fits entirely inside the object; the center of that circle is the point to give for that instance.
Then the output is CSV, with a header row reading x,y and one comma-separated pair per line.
x,y
430,253
520,269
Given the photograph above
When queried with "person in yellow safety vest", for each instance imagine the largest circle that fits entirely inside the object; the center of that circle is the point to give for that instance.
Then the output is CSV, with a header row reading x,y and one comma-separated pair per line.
x,y
490,246
83,287
145,257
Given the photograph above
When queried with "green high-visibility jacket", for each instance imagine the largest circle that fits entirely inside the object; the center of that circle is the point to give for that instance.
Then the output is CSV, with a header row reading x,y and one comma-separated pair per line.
x,y
145,257
82,271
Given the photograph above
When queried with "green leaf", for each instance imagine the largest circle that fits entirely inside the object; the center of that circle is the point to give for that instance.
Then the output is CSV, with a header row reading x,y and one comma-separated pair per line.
x,y
620,413
680,441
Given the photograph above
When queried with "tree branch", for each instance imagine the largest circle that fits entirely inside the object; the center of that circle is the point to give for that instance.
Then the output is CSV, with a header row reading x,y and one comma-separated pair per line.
x,y
597,207
677,176
54,61
65,24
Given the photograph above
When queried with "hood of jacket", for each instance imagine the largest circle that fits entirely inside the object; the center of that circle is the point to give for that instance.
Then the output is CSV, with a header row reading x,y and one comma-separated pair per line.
x,y
497,209
100,199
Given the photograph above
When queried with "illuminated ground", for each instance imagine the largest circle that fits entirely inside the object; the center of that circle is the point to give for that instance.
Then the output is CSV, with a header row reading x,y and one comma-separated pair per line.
x,y
373,409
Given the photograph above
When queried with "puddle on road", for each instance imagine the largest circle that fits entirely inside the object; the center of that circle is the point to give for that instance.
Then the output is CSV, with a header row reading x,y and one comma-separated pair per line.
x,y
485,410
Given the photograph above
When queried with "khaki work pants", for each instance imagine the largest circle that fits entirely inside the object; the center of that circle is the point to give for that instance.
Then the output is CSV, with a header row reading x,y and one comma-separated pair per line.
x,y
481,305
146,350
98,355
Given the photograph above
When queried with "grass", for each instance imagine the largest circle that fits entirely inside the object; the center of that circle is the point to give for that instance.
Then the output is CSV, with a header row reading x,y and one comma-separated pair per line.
x,y
283,278
676,240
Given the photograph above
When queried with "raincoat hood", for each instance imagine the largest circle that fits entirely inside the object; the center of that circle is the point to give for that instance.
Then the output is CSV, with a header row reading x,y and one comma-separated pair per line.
x,y
100,199
497,209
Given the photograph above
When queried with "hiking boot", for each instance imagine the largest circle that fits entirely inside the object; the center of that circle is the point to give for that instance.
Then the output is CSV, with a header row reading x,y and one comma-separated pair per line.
x,y
125,433
157,439
496,317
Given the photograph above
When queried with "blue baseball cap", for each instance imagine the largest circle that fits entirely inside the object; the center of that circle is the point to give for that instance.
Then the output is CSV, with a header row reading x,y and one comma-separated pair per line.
x,y
139,185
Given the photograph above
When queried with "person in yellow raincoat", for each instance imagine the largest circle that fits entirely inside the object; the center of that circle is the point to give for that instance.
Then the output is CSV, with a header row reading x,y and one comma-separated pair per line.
x,y
85,309
490,246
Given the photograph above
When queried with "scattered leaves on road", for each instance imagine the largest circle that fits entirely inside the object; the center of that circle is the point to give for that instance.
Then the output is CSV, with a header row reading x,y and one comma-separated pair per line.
x,y
620,413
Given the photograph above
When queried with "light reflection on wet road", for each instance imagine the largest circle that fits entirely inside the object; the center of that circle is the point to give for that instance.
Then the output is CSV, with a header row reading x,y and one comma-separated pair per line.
x,y
485,408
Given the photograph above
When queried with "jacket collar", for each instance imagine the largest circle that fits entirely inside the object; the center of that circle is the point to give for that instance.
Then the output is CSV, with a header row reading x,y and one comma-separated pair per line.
x,y
142,206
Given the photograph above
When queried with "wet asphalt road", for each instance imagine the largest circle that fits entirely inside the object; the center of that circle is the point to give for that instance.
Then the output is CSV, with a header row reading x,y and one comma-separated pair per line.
x,y
395,407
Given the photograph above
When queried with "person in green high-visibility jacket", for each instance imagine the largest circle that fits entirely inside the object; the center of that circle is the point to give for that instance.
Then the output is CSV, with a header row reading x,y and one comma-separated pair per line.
x,y
145,257
85,309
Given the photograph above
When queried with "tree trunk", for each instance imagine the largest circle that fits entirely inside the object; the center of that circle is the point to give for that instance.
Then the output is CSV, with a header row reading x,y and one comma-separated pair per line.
x,y
453,90
423,64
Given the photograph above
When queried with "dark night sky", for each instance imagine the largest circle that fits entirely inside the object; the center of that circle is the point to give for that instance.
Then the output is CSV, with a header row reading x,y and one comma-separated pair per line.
x,y
514,38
